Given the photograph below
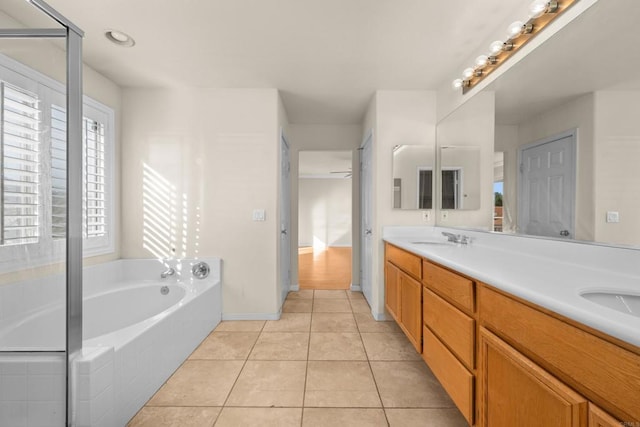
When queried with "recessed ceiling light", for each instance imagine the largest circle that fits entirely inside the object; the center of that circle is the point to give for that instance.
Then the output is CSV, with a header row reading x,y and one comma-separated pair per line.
x,y
119,38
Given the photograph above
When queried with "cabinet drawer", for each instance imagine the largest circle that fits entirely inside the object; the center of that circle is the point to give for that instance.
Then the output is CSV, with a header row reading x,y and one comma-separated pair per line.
x,y
453,327
453,287
599,418
406,261
605,373
453,376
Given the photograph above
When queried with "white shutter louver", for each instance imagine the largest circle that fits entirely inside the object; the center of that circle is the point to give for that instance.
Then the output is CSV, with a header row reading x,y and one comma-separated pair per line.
x,y
19,164
58,172
94,178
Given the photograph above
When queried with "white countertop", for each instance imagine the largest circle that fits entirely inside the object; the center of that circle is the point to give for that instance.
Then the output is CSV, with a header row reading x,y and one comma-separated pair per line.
x,y
551,274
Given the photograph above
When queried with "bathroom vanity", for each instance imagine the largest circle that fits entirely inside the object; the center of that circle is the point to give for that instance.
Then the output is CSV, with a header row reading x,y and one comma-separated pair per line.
x,y
508,331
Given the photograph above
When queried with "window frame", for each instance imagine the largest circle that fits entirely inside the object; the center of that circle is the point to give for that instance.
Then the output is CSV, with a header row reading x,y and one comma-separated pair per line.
x,y
48,250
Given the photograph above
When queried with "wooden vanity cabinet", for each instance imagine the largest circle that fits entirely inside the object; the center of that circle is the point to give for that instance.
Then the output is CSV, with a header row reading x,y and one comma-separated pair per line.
x,y
403,292
514,391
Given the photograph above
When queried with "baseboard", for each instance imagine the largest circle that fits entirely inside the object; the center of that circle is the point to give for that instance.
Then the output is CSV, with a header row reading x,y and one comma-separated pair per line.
x,y
294,288
380,317
251,316
355,288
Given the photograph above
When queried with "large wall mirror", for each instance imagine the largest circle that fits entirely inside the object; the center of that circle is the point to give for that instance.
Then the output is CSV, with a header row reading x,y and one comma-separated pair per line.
x,y
413,177
567,133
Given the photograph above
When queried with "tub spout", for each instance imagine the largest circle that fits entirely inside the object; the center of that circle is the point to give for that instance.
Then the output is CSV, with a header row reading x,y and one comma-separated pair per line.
x,y
168,272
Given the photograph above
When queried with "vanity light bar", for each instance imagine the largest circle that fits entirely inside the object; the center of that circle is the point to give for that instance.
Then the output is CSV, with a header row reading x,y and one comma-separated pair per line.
x,y
542,13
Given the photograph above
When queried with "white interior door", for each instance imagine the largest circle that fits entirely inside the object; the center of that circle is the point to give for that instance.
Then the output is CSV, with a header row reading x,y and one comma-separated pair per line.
x,y
366,219
285,217
546,194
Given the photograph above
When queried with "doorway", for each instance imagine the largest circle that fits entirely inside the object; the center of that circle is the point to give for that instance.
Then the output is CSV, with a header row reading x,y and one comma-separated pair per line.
x,y
546,193
324,219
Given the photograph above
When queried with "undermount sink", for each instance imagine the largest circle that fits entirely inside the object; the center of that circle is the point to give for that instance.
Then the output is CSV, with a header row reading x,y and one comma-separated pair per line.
x,y
429,242
619,301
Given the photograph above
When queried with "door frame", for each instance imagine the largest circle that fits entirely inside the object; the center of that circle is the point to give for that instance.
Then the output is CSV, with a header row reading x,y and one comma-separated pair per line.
x,y
573,134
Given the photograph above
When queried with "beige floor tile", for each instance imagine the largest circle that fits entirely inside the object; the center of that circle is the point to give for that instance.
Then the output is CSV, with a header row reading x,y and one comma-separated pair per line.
x,y
198,383
425,418
336,346
331,306
366,323
360,306
297,306
343,417
226,346
289,322
330,294
333,322
340,384
409,385
150,416
240,326
260,417
269,383
301,294
355,295
388,346
281,346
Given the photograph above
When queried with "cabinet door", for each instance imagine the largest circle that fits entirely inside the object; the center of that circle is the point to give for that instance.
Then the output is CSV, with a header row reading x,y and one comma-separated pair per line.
x,y
514,391
599,418
411,309
392,290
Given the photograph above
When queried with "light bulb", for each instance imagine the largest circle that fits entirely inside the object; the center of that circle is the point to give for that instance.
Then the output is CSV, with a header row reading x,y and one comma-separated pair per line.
x,y
537,8
496,47
457,83
482,60
515,28
468,72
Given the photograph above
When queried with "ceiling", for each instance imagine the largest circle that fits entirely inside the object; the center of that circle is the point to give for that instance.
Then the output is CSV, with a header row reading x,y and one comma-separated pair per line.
x,y
324,164
327,57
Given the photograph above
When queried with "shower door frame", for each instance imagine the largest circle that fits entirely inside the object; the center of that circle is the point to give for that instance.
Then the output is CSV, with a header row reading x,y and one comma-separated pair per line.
x,y
73,36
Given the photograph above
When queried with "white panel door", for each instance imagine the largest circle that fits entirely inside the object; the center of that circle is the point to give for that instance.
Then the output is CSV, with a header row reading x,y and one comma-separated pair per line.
x,y
547,187
366,219
285,217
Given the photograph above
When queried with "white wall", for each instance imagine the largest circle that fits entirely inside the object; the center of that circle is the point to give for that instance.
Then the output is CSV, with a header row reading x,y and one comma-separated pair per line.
x,y
396,117
211,155
473,124
576,114
324,212
317,138
616,154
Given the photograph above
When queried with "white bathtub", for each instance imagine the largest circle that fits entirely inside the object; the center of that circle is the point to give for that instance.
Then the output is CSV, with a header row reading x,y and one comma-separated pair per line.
x,y
134,336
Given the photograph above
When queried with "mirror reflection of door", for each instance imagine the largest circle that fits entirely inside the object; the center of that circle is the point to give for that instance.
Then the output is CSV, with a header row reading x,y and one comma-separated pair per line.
x,y
546,194
325,219
451,191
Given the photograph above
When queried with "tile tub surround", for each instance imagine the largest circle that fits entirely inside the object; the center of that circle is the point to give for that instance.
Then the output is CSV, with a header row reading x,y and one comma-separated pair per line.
x,y
344,377
549,273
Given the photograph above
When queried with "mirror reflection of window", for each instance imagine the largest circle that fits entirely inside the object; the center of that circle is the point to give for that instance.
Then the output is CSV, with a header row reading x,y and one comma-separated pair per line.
x,y
425,188
451,190
397,193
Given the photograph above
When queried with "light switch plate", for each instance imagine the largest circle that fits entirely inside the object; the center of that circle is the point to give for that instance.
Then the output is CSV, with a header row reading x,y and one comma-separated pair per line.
x,y
613,216
259,215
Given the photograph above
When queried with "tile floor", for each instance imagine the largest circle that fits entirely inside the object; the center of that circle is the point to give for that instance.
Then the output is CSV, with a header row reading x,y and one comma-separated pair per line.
x,y
326,362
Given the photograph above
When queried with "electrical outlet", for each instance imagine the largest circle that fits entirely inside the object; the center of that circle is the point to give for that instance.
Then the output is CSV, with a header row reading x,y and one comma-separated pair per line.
x,y
444,215
259,215
426,216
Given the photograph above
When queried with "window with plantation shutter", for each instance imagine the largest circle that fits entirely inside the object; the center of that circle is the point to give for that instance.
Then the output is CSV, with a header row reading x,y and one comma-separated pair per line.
x,y
94,214
33,170
19,164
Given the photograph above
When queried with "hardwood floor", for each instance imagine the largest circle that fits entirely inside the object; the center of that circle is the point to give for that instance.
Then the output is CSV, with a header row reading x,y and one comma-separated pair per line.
x,y
327,269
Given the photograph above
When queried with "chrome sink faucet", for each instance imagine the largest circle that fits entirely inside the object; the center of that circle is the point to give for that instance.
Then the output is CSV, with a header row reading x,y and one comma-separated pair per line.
x,y
457,238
